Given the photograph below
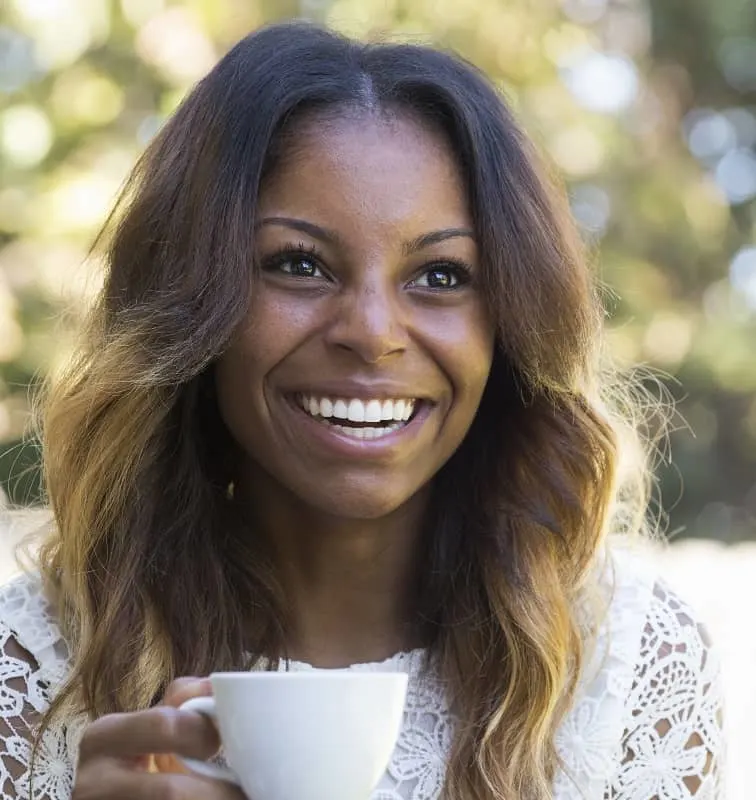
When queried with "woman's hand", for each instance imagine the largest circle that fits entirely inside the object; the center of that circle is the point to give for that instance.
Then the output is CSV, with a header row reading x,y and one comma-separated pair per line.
x,y
131,756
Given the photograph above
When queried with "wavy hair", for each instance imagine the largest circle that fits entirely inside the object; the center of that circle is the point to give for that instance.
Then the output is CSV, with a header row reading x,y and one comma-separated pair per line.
x,y
152,569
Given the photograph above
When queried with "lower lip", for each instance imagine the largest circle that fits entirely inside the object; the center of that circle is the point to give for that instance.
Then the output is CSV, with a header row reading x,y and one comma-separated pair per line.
x,y
332,438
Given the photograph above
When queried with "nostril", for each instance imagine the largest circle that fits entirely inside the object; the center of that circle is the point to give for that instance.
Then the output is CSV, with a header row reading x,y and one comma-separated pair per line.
x,y
372,335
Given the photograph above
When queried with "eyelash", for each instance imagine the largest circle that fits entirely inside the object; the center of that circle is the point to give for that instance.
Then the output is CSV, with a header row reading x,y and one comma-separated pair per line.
x,y
462,271
288,252
455,265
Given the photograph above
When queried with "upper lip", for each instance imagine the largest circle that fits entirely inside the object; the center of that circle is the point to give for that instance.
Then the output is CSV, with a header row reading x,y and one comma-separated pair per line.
x,y
358,390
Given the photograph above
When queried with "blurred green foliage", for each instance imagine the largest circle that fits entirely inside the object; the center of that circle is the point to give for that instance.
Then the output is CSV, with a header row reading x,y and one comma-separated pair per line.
x,y
646,108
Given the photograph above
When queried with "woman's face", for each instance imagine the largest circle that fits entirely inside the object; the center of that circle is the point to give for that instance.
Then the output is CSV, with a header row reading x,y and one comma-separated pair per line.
x,y
366,350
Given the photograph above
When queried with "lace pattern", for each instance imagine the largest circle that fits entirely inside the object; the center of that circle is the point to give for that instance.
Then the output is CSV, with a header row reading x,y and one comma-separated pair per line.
x,y
646,723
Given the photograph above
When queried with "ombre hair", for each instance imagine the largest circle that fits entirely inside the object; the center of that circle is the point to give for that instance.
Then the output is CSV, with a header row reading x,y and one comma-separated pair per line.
x,y
154,572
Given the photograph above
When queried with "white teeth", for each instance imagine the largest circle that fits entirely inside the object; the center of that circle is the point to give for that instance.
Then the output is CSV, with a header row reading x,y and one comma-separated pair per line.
x,y
367,433
373,411
356,410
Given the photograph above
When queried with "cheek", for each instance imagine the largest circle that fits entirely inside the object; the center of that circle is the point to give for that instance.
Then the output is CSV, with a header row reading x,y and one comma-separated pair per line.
x,y
240,375
241,399
463,344
234,390
271,332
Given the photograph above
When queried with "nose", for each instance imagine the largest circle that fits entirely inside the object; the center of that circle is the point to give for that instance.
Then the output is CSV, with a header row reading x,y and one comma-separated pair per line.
x,y
368,321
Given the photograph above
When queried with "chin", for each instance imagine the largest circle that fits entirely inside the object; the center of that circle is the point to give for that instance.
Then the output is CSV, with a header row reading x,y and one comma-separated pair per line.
x,y
365,508
361,503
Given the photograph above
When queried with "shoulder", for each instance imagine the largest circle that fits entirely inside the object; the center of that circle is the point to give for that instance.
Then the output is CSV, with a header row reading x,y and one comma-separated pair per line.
x,y
649,665
647,623
35,661
648,610
677,679
29,619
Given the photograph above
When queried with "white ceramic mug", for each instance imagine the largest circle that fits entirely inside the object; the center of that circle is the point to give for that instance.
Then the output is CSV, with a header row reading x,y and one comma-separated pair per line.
x,y
315,735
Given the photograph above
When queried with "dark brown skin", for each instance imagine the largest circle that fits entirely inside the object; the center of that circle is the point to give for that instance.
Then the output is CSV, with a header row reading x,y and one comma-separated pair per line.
x,y
359,311
346,528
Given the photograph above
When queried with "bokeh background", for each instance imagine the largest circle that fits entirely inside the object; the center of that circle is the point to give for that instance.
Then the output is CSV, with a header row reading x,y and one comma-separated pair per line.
x,y
648,108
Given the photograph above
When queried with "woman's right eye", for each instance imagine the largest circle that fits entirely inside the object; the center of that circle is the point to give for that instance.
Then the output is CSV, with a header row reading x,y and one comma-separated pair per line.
x,y
300,267
298,264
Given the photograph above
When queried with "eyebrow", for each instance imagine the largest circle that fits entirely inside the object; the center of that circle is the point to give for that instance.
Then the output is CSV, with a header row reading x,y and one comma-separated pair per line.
x,y
435,237
331,237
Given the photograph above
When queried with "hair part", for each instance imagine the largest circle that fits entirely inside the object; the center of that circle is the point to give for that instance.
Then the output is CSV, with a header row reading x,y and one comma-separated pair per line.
x,y
149,552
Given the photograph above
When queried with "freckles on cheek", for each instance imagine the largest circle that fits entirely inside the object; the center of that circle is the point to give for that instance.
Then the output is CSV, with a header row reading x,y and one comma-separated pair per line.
x,y
256,340
277,324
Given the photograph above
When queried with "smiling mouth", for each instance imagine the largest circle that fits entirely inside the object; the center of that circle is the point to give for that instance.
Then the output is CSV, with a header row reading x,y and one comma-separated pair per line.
x,y
357,418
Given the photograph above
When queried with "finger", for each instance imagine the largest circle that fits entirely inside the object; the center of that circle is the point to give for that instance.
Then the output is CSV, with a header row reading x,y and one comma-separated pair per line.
x,y
185,787
183,689
178,692
164,762
162,729
108,779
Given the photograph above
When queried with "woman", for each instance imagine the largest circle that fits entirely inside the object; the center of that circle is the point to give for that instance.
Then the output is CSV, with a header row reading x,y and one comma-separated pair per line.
x,y
341,402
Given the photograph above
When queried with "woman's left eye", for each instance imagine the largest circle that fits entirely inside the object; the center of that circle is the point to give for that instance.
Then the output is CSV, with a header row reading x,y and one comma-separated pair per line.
x,y
441,276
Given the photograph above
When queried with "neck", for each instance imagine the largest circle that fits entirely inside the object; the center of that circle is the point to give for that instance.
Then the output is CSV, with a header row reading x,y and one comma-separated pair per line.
x,y
349,583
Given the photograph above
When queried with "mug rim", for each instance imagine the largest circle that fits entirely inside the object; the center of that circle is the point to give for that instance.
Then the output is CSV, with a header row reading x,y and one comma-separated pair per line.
x,y
318,674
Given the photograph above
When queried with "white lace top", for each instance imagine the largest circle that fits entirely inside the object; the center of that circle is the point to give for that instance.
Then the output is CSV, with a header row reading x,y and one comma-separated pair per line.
x,y
646,724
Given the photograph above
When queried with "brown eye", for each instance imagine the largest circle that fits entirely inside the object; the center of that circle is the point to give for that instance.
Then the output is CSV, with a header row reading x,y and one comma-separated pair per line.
x,y
441,279
441,276
300,267
299,262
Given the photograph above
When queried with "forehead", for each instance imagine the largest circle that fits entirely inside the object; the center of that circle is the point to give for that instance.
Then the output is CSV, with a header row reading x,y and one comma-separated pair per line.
x,y
392,169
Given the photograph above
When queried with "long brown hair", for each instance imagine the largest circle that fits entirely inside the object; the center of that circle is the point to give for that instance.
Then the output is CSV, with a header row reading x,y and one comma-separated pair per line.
x,y
155,574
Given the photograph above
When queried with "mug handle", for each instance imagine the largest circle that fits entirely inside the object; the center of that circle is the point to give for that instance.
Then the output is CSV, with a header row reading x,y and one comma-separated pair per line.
x,y
206,707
